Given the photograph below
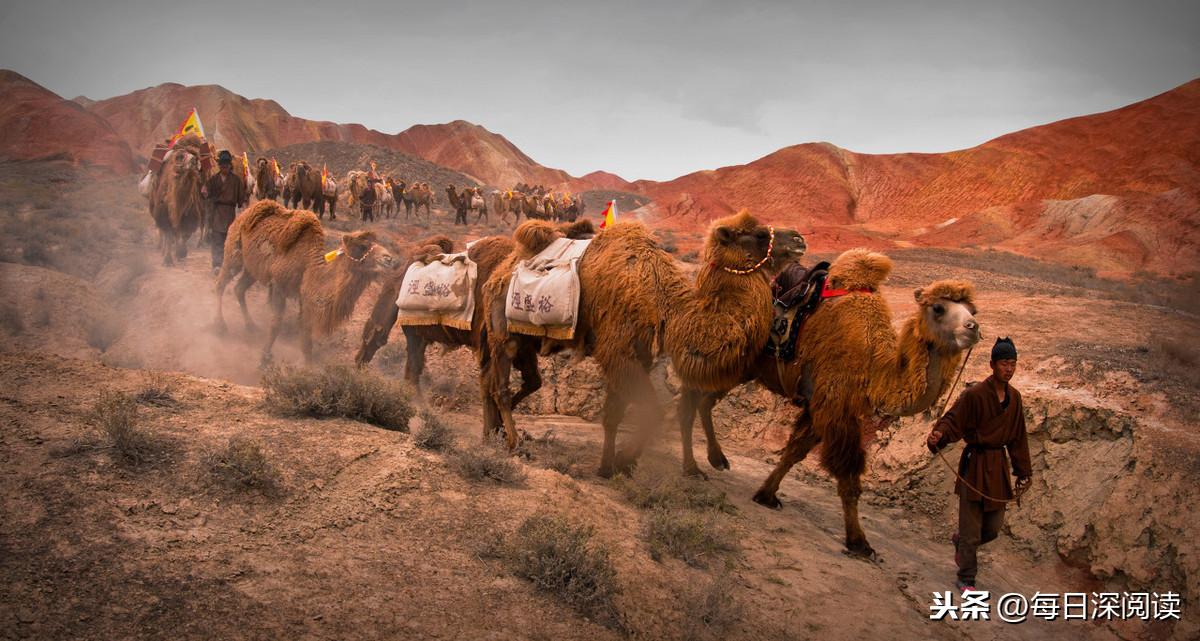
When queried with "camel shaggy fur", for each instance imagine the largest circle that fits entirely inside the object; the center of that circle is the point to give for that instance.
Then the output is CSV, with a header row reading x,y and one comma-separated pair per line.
x,y
302,186
487,253
630,290
266,180
285,250
851,365
175,202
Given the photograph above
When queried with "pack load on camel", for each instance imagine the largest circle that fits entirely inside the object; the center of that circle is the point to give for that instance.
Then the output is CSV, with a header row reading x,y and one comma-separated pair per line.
x,y
191,131
543,295
439,289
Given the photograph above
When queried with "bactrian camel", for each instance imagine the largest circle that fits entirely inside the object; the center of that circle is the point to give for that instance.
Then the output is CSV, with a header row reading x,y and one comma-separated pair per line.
x,y
285,250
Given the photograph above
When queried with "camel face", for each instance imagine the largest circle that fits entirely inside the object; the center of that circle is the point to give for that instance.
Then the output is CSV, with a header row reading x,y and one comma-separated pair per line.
x,y
950,324
369,256
789,246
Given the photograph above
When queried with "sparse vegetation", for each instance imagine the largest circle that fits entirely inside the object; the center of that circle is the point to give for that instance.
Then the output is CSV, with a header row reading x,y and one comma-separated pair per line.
x,y
653,487
115,414
710,611
488,464
696,538
561,559
338,391
242,465
433,434
1176,359
158,391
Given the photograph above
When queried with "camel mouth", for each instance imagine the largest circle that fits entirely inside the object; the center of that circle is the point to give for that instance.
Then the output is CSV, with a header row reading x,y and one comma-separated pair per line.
x,y
967,338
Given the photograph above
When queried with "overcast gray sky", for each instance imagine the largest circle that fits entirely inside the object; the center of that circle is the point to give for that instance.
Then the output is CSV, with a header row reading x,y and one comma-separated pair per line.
x,y
644,89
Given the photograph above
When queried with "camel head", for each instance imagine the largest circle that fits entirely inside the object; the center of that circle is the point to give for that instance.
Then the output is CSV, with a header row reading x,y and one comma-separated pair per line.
x,y
183,162
741,244
368,256
947,315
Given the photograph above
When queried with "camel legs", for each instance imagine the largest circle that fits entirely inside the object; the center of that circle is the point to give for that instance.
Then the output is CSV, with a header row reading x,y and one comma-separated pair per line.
x,y
611,415
849,489
278,304
691,401
244,284
223,279
526,362
802,440
414,359
716,457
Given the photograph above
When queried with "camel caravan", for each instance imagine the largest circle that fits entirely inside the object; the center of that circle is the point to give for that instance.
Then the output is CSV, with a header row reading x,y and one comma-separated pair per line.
x,y
820,336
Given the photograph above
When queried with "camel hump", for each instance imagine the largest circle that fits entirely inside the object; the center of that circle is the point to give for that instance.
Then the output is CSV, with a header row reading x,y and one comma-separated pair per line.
x,y
535,235
860,269
296,223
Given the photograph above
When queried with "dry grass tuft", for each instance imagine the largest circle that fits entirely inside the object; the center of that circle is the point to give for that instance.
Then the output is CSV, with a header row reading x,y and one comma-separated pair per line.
x,y
338,391
115,414
433,435
242,465
488,464
710,611
158,392
696,538
560,558
653,487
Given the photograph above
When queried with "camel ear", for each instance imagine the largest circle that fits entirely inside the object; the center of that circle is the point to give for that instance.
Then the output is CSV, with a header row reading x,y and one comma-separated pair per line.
x,y
917,294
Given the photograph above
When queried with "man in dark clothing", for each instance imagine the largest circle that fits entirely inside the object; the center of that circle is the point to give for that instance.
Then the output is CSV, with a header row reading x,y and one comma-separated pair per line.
x,y
226,192
989,417
367,200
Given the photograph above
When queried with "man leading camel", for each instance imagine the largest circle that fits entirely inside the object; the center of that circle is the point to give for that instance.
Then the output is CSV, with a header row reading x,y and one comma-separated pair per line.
x,y
990,418
227,192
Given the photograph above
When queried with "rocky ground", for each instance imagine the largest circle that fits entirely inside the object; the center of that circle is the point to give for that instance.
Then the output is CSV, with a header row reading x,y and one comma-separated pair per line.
x,y
369,536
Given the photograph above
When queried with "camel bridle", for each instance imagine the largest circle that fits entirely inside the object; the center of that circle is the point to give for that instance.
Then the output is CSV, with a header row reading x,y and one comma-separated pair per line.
x,y
759,265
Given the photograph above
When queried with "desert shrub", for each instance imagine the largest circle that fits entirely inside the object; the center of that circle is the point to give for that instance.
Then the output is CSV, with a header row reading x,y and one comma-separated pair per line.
x,y
157,391
115,414
338,391
652,487
242,465
488,464
692,256
710,611
696,538
433,434
559,558
1176,359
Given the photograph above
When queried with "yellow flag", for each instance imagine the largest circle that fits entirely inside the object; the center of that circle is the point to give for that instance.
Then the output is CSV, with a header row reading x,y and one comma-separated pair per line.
x,y
609,215
324,176
246,167
191,125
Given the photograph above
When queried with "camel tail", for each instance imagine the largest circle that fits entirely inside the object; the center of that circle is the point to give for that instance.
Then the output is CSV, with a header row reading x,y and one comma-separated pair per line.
x,y
860,269
842,453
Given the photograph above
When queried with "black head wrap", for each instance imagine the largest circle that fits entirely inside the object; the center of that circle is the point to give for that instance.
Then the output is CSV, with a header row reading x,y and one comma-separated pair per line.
x,y
1004,350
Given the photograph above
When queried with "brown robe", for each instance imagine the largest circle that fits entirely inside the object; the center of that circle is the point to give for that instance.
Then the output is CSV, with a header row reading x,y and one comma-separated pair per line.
x,y
989,430
227,193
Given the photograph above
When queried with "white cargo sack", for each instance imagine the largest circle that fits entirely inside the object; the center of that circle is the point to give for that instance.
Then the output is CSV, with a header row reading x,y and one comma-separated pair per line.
x,y
543,295
145,184
441,292
330,187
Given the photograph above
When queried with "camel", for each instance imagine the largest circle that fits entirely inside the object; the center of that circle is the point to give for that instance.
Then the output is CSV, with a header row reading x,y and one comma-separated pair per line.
x,y
303,186
356,182
385,201
630,289
328,198
265,180
175,202
488,253
416,196
850,366
458,203
474,201
285,250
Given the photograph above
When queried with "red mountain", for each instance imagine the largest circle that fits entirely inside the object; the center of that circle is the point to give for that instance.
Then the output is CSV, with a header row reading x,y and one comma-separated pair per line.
x,y
38,124
1116,190
150,115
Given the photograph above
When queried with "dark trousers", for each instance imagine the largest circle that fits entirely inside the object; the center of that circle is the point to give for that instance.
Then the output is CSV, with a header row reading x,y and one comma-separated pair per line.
x,y
217,239
975,527
368,212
